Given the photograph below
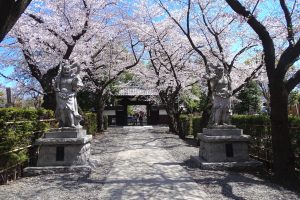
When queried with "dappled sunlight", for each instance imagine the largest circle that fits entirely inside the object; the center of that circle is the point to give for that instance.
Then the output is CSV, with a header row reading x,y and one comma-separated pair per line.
x,y
145,171
142,164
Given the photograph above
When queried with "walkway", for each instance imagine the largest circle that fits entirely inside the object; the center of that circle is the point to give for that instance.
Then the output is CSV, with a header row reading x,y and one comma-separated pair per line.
x,y
139,163
144,170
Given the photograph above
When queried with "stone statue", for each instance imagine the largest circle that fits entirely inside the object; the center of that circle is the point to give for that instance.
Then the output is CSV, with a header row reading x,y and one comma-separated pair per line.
x,y
66,85
221,91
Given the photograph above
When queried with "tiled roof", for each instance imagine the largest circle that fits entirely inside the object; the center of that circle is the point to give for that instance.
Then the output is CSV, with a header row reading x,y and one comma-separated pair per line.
x,y
136,91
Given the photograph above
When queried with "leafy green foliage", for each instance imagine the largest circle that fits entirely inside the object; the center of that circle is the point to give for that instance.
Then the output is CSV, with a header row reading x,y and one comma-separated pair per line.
x,y
197,125
259,128
294,97
194,100
126,77
20,127
90,123
16,131
86,100
130,110
186,125
2,97
249,99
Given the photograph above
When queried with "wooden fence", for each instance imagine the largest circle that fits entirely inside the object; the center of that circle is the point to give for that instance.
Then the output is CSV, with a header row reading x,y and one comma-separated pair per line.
x,y
261,143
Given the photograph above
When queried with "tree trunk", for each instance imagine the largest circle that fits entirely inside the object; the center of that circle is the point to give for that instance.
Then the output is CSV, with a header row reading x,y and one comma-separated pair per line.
x,y
170,100
207,110
47,84
49,101
10,11
174,122
283,155
100,110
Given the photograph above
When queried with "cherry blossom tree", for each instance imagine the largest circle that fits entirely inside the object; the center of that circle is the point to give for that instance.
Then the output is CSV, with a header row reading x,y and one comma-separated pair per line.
x,y
171,64
50,31
109,59
89,32
279,36
215,35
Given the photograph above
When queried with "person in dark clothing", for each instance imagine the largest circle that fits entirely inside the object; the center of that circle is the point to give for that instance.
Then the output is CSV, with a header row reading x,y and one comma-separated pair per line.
x,y
141,116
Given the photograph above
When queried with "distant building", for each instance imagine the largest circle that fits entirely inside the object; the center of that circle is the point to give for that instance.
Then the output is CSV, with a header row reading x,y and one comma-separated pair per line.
x,y
133,95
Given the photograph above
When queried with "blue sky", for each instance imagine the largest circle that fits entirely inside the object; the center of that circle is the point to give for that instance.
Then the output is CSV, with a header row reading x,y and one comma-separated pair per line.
x,y
5,82
6,70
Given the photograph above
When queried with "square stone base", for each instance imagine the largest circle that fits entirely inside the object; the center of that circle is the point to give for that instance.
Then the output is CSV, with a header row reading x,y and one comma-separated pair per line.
x,y
224,147
222,144
216,152
34,171
62,150
250,164
72,154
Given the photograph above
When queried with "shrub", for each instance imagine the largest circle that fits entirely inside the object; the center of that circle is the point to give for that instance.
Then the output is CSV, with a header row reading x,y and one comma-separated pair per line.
x,y
17,130
197,125
186,124
90,123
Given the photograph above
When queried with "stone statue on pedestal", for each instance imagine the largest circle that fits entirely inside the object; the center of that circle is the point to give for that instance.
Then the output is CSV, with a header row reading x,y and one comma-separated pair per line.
x,y
221,89
66,85
222,146
66,149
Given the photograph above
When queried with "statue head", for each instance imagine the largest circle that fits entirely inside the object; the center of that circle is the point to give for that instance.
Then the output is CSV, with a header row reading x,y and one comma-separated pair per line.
x,y
66,68
219,70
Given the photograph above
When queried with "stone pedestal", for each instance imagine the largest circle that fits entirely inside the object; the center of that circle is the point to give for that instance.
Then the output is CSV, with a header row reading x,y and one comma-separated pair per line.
x,y
62,150
224,147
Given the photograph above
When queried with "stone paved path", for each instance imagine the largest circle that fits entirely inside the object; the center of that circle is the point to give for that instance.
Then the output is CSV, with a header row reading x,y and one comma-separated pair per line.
x,y
145,171
136,163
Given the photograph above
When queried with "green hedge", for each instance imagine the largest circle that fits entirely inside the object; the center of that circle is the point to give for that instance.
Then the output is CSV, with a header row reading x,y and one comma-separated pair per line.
x,y
16,131
21,127
196,125
90,123
18,114
190,125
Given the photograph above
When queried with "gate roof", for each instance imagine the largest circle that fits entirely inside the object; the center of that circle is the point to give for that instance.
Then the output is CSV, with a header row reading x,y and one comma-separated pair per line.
x,y
136,91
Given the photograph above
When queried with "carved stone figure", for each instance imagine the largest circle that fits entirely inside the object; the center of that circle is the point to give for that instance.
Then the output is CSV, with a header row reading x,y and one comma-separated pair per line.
x,y
221,89
66,85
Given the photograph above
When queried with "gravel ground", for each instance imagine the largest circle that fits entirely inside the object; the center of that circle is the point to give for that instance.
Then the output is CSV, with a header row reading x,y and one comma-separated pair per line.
x,y
223,184
217,184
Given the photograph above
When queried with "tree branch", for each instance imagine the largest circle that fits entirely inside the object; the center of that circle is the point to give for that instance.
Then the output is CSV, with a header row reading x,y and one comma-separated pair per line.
x,y
35,72
237,55
289,24
293,81
86,22
41,21
248,79
287,59
17,80
10,11
261,31
186,33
